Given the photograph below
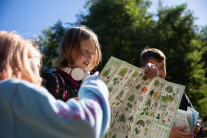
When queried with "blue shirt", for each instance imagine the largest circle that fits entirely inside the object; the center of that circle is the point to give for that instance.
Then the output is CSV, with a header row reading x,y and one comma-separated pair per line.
x,y
27,110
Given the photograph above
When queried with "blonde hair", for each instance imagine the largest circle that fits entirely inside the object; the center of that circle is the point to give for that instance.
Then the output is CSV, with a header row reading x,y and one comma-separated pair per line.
x,y
15,52
151,53
71,43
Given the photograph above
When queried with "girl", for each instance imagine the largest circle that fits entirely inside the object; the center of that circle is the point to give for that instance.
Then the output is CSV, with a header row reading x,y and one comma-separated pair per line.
x,y
28,110
79,54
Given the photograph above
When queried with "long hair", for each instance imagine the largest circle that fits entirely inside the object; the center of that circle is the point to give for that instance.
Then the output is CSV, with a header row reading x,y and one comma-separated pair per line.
x,y
71,43
14,57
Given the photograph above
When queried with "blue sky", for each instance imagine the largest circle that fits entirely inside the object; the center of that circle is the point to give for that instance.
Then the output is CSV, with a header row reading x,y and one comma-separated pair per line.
x,y
29,17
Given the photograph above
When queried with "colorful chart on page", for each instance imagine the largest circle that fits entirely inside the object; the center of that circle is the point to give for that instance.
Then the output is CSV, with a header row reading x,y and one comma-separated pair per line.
x,y
139,108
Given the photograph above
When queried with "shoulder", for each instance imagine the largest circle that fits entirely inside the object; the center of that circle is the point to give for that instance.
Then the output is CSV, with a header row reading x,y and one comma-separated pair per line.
x,y
21,87
14,83
185,98
49,78
19,84
185,102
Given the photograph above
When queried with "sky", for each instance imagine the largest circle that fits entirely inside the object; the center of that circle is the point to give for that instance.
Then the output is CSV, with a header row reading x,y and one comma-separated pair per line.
x,y
29,17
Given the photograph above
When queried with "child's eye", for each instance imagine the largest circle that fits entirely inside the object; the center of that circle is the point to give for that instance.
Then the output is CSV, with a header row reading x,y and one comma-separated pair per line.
x,y
85,53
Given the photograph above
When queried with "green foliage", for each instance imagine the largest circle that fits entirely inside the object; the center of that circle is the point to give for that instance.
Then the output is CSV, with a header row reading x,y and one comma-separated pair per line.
x,y
114,136
123,71
131,98
151,93
110,89
158,116
141,123
122,19
138,87
116,81
136,131
120,95
165,98
49,45
169,89
129,105
122,118
135,74
125,28
203,104
106,73
148,103
157,83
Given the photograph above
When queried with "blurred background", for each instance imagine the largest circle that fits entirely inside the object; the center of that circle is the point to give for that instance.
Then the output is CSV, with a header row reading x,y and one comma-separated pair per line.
x,y
176,27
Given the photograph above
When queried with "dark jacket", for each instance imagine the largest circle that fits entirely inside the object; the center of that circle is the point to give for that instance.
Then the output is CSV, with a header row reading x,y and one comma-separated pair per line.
x,y
61,85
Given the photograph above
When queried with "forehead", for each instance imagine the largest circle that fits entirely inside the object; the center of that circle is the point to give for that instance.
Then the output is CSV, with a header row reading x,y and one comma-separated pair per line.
x,y
154,61
88,44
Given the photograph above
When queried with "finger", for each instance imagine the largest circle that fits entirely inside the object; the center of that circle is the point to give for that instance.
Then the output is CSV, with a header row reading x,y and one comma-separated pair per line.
x,y
187,134
195,132
150,75
146,70
153,73
148,66
186,137
183,127
150,72
196,127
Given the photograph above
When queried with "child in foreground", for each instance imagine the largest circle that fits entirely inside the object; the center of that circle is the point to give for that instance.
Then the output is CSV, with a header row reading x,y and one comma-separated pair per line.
x,y
153,58
29,110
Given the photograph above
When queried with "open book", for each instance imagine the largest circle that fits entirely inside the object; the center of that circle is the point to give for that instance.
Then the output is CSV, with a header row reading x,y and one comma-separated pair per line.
x,y
188,118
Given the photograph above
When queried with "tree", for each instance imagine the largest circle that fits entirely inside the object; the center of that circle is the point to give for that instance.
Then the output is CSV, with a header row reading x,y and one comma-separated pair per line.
x,y
177,38
49,45
125,28
203,101
130,28
117,23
